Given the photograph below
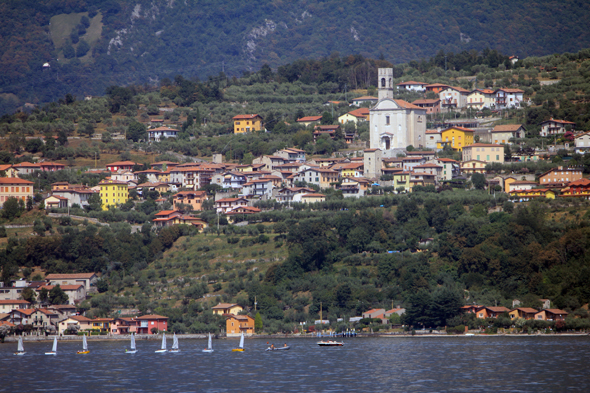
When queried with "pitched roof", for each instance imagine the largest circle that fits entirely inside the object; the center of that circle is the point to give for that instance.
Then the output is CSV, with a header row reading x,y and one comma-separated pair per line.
x,y
458,128
14,180
526,310
412,83
246,117
152,316
64,287
121,163
312,195
507,127
14,302
511,90
230,200
555,311
407,105
309,118
483,145
365,98
224,305
360,112
70,276
558,121
581,182
167,212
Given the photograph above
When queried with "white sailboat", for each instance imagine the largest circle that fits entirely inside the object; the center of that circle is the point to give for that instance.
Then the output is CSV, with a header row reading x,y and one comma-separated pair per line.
x,y
209,345
175,344
240,347
163,349
132,346
84,350
21,349
54,349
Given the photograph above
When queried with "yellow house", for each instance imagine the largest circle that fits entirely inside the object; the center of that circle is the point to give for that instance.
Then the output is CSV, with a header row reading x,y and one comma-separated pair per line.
x,y
226,308
534,193
163,176
401,179
360,114
113,193
247,123
456,137
8,170
354,169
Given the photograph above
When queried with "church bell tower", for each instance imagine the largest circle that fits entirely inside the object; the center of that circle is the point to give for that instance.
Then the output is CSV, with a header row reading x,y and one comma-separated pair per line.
x,y
385,82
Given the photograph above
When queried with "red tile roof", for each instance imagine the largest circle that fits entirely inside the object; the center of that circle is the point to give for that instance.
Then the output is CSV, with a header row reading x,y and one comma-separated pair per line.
x,y
71,276
152,316
412,83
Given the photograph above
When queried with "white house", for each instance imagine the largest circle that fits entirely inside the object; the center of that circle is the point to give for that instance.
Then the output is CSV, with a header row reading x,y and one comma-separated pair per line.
x,y
509,98
412,86
156,134
555,127
583,143
453,97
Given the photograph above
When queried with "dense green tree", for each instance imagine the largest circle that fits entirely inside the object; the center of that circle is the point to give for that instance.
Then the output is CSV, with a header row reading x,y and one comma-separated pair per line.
x,y
137,131
82,48
258,323
57,295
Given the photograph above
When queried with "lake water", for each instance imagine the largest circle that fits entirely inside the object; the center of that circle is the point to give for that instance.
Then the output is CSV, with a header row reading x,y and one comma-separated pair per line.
x,y
457,364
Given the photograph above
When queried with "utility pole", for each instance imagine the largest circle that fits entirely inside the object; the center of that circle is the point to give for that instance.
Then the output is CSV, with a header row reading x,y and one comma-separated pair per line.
x,y
255,303
321,319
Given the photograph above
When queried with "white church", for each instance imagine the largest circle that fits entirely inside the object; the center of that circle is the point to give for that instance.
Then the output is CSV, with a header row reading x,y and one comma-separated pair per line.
x,y
395,124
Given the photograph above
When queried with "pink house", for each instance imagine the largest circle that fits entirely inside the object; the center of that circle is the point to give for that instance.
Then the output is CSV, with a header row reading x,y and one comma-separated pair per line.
x,y
149,322
124,325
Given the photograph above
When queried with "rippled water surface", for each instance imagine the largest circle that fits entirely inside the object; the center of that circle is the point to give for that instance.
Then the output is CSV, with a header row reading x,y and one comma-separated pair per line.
x,y
458,364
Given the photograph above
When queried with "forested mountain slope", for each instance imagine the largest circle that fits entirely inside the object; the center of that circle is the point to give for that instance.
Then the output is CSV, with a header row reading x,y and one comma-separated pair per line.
x,y
122,41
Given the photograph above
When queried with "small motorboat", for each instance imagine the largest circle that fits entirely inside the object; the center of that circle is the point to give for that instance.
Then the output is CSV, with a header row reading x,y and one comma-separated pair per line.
x,y
330,343
278,348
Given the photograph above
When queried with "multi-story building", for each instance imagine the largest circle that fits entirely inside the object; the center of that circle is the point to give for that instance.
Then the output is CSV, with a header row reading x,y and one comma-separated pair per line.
x,y
509,98
194,199
560,176
504,133
13,187
156,134
431,105
481,98
247,123
456,137
113,193
487,152
555,127
453,97
412,86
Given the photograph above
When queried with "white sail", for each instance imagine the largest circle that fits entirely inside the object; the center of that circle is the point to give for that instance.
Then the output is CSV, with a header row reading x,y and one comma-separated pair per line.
x,y
174,342
54,349
133,342
163,340
241,341
209,343
84,343
21,348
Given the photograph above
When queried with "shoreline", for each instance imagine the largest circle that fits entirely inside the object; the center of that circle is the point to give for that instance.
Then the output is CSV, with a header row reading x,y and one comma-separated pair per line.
x,y
13,339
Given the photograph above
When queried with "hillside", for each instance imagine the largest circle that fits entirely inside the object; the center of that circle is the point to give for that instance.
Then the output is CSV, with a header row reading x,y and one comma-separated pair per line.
x,y
133,43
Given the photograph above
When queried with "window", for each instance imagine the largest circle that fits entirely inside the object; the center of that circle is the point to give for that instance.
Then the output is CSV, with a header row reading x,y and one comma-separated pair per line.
x,y
497,157
382,82
387,120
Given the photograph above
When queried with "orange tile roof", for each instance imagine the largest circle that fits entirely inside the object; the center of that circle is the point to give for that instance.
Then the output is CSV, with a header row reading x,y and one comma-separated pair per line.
x,y
412,83
246,117
152,316
309,118
407,105
506,127
14,180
